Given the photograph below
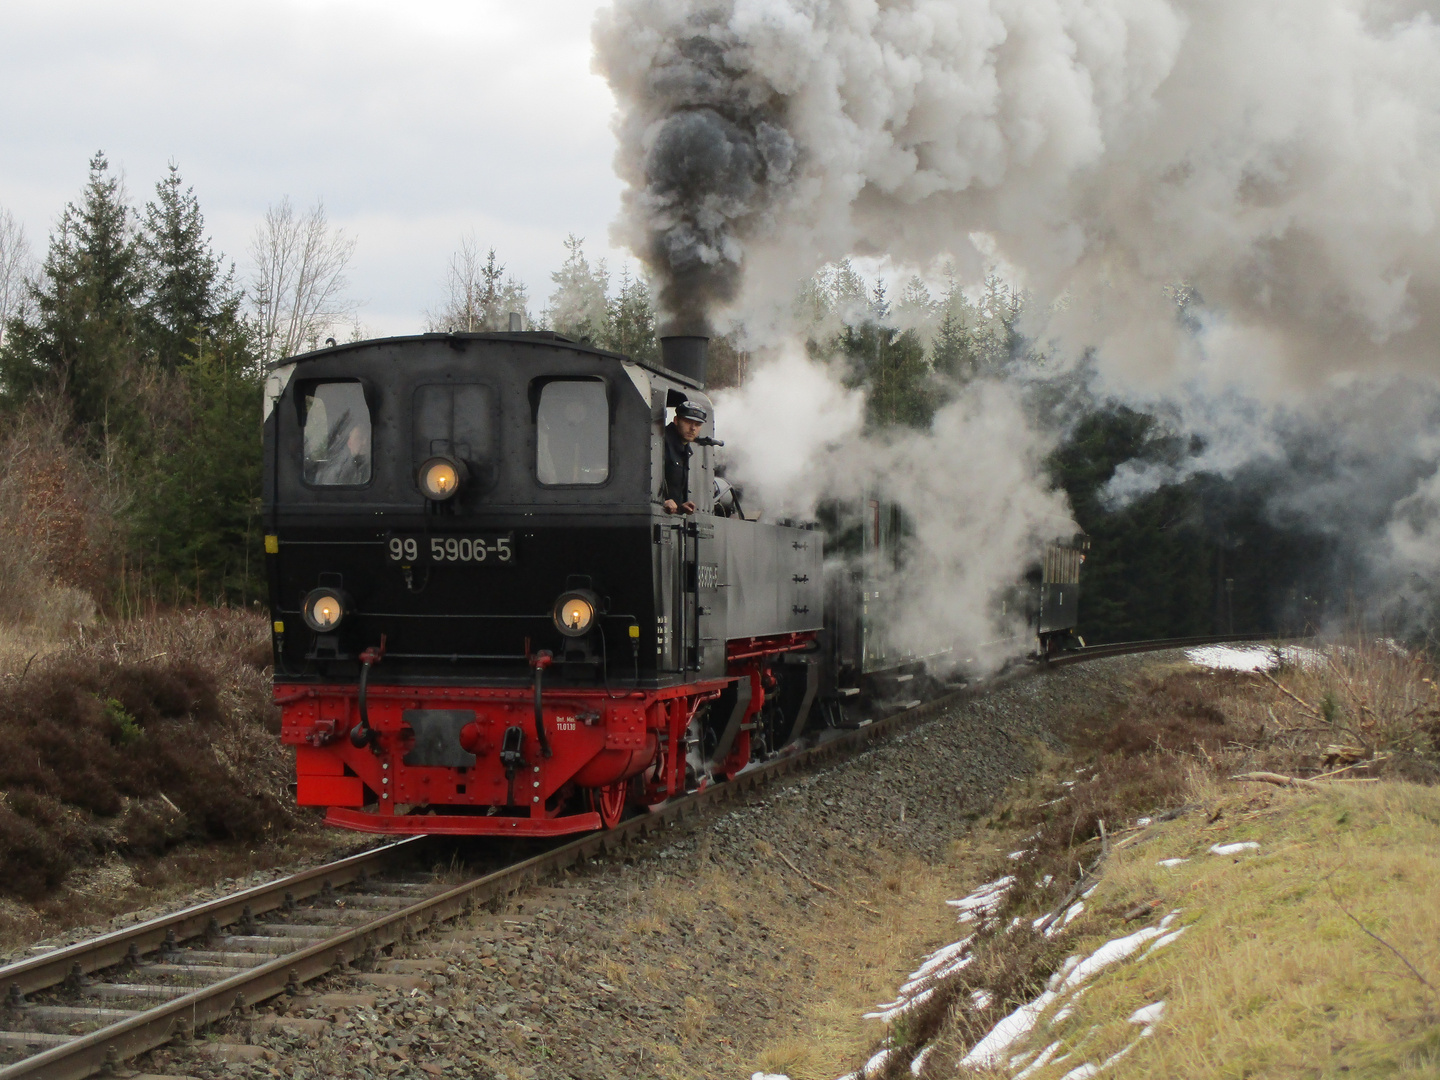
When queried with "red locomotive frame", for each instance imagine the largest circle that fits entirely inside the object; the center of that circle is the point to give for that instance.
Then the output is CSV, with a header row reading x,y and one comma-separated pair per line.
x,y
606,749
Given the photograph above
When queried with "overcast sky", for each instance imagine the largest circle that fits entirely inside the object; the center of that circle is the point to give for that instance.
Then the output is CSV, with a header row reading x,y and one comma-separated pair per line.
x,y
415,122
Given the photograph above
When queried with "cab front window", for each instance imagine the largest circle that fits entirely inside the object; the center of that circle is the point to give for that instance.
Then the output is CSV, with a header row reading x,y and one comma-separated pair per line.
x,y
337,434
572,432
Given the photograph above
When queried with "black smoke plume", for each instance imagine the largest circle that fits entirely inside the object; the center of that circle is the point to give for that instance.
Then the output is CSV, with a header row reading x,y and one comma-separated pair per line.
x,y
705,151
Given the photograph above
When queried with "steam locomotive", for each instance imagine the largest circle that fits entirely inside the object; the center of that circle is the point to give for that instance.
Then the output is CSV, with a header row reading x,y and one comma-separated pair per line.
x,y
485,620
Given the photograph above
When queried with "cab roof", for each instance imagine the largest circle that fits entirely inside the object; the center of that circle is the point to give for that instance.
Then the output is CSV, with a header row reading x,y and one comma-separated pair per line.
x,y
516,337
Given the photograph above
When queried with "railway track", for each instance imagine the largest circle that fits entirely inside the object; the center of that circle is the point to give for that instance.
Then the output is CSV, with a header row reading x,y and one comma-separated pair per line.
x,y
87,1008
1124,648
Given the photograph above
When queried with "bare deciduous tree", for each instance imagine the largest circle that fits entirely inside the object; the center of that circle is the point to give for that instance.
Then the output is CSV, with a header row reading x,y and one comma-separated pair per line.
x,y
299,283
16,266
480,296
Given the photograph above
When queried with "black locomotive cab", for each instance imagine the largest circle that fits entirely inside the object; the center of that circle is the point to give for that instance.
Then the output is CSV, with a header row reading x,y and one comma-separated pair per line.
x,y
484,618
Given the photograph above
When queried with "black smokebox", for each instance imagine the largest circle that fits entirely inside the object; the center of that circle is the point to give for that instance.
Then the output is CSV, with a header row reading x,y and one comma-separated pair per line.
x,y
685,355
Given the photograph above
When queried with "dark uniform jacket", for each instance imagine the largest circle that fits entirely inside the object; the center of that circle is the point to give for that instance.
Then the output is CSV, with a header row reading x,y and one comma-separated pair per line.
x,y
677,466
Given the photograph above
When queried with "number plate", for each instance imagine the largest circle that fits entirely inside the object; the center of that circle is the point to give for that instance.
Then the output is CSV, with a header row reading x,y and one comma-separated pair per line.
x,y
488,549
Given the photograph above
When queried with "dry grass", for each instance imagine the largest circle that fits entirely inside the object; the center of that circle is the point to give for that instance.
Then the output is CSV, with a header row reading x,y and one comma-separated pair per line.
x,y
1273,978
59,534
807,962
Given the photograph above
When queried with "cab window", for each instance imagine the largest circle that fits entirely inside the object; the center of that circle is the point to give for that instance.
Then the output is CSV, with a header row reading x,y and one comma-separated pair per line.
x,y
572,432
337,434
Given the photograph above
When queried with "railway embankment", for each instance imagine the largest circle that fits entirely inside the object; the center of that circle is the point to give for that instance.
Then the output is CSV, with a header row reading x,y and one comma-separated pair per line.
x,y
1050,880
1232,873
753,937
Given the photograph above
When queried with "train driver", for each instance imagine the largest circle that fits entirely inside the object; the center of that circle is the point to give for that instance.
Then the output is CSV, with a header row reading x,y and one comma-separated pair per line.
x,y
679,434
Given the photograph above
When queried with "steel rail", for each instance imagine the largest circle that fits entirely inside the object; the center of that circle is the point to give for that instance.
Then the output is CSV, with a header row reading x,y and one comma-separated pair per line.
x,y
89,1054
54,967
1125,648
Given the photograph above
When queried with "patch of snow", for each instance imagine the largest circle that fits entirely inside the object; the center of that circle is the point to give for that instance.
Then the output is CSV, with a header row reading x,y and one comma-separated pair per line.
x,y
1018,854
1081,1072
886,1013
1088,891
981,999
1149,1014
1070,914
1171,862
919,1062
1160,943
1039,1063
1112,952
983,900
1142,821
1065,969
877,1064
941,962
990,1051
768,1076
1063,1013
1046,880
1118,1054
1253,657
1070,783
1234,849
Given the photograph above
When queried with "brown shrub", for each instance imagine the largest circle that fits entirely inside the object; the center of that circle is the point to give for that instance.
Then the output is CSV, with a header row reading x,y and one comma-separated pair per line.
x,y
35,858
94,739
60,538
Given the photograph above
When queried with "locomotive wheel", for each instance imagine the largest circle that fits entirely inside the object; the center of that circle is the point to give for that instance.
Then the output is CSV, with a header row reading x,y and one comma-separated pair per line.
x,y
609,802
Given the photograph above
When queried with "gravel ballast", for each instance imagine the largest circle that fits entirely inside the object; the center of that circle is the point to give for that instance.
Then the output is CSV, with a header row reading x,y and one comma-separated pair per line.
x,y
693,954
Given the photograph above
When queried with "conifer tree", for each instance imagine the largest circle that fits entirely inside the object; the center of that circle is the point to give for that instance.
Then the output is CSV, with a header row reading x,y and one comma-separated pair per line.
x,y
952,353
889,363
184,290
197,528
481,296
580,306
80,340
631,323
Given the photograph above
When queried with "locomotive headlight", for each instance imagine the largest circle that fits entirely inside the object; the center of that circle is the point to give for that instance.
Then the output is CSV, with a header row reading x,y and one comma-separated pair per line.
x,y
323,610
575,612
440,477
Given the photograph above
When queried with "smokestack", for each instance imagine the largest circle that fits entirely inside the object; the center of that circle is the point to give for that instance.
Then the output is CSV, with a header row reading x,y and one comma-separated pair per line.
x,y
685,355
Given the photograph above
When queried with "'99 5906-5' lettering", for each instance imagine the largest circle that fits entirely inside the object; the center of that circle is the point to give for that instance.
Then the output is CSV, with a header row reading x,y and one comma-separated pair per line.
x,y
495,548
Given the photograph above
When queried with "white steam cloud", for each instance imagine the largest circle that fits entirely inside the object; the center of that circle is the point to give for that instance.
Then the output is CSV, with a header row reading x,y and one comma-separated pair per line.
x,y
1275,162
968,486
1281,158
